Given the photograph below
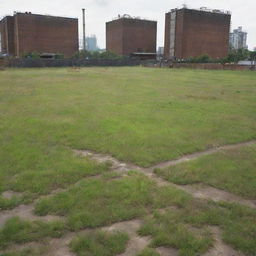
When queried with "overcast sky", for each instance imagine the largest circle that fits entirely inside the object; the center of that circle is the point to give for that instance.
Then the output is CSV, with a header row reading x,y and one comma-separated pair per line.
x,y
100,11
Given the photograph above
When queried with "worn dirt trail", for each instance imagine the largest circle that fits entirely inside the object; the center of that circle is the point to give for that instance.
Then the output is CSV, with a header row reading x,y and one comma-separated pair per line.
x,y
219,248
202,191
59,247
199,154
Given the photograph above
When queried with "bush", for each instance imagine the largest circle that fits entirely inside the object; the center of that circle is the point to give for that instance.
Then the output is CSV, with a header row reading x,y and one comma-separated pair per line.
x,y
32,55
97,55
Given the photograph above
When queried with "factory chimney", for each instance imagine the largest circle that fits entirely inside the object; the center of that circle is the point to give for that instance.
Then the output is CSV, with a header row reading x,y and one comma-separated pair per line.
x,y
84,43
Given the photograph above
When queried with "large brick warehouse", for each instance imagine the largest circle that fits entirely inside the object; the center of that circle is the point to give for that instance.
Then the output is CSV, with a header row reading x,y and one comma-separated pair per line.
x,y
25,32
127,35
191,33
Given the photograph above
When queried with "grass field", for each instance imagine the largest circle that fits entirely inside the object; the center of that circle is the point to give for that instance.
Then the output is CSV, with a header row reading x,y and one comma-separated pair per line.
x,y
230,170
138,115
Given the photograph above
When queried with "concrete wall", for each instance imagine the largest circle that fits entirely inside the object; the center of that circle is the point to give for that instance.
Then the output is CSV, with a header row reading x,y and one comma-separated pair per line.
x,y
124,36
198,33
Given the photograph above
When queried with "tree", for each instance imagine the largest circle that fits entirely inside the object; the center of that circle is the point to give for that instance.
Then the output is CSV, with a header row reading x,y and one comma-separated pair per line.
x,y
252,57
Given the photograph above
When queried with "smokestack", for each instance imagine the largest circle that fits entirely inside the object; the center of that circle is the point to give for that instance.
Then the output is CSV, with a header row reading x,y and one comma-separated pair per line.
x,y
84,43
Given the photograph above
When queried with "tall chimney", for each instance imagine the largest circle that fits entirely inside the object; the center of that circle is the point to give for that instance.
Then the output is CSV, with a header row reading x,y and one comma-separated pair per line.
x,y
84,43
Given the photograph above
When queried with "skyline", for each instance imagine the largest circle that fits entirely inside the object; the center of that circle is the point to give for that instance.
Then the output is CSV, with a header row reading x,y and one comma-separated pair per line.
x,y
98,12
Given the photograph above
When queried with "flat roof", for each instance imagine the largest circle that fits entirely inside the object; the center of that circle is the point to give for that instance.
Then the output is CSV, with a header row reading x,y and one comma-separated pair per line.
x,y
203,9
43,15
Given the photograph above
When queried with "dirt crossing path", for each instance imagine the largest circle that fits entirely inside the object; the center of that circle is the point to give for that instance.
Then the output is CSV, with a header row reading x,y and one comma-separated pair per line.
x,y
59,247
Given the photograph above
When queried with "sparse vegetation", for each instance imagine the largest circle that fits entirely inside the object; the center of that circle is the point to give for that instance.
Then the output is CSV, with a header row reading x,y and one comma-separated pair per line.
x,y
187,230
100,202
100,243
231,170
20,231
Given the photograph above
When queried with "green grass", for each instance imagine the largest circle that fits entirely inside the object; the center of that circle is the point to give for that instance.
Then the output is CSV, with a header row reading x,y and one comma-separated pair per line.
x,y
99,243
137,114
187,228
16,230
98,202
231,170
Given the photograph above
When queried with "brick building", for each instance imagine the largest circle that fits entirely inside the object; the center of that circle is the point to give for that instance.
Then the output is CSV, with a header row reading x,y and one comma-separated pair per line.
x,y
26,32
191,33
127,35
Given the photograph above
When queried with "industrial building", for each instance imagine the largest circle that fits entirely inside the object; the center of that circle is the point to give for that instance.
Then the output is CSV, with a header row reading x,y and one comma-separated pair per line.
x,y
238,39
128,36
26,32
191,33
91,43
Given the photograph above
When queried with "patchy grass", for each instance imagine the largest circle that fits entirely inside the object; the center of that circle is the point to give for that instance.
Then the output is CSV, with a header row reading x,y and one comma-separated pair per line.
x,y
99,202
231,170
25,252
16,230
99,243
186,229
138,115
168,231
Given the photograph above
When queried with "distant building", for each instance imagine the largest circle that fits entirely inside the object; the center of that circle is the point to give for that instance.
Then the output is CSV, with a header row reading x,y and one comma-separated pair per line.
x,y
27,32
238,39
254,49
131,36
160,51
191,33
91,43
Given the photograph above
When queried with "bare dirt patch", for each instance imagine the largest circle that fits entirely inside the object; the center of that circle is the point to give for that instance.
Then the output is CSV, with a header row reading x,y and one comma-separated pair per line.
x,y
207,192
116,165
164,251
9,194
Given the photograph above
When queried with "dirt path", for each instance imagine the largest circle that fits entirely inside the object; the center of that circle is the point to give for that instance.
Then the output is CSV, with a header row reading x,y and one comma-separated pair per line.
x,y
202,191
59,247
219,248
199,154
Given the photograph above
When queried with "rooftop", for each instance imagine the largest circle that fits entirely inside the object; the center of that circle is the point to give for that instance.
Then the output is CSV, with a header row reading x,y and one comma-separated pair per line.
x,y
204,9
127,16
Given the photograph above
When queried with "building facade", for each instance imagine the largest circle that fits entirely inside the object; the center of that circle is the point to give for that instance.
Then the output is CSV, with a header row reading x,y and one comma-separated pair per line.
x,y
238,39
191,33
91,43
127,35
25,33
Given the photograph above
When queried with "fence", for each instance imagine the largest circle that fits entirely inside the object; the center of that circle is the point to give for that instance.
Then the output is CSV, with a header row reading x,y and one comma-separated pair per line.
x,y
33,63
39,63
213,66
